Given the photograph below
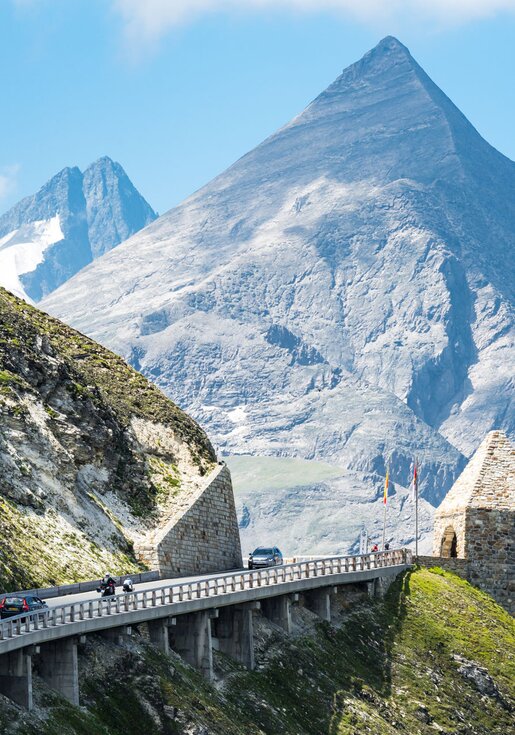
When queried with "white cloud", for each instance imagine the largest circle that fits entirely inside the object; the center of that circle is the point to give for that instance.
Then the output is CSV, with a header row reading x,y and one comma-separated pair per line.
x,y
147,20
8,180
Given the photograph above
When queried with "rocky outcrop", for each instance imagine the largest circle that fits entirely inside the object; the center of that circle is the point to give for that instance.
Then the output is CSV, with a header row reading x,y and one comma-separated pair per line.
x,y
92,456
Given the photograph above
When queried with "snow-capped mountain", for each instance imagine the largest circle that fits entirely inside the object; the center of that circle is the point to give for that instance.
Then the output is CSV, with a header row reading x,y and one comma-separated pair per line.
x,y
75,217
344,292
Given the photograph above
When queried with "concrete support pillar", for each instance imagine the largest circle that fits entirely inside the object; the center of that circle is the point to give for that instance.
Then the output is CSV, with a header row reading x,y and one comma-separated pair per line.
x,y
158,633
59,668
278,611
235,633
116,635
319,602
191,639
16,677
382,585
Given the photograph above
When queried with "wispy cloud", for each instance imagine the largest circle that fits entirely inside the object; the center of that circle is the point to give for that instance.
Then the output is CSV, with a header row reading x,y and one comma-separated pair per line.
x,y
8,180
146,21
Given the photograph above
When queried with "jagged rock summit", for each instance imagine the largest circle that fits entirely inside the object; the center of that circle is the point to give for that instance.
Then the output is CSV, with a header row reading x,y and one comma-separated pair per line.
x,y
75,217
343,292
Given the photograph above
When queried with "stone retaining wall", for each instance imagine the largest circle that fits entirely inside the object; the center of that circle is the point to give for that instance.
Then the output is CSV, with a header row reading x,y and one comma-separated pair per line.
x,y
450,564
491,553
205,538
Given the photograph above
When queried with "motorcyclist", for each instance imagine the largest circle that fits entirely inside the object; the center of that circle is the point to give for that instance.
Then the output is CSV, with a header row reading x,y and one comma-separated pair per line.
x,y
127,585
107,585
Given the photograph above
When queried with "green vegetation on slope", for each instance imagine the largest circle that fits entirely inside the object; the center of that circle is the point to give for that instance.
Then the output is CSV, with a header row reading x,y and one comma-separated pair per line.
x,y
36,551
274,473
436,655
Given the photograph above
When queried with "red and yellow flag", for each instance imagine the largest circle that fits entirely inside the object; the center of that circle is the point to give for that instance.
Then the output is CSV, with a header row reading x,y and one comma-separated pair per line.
x,y
387,478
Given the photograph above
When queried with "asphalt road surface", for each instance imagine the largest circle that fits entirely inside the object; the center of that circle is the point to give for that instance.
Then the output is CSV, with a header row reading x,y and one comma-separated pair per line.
x,y
94,595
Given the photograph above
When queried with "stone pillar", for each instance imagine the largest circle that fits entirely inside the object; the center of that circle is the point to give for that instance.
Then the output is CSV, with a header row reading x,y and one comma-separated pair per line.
x,y
191,639
235,633
319,602
16,677
59,668
278,611
158,634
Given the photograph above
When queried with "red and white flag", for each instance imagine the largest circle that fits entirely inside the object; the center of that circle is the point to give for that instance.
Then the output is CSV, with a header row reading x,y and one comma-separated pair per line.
x,y
414,482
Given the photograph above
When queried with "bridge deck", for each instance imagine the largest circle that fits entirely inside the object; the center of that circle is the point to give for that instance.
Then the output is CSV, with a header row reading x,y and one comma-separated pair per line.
x,y
181,597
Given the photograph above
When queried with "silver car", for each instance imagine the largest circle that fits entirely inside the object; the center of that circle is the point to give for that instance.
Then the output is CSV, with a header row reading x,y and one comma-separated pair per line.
x,y
265,556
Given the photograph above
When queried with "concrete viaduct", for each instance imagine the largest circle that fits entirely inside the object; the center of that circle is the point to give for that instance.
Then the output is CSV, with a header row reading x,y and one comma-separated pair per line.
x,y
189,617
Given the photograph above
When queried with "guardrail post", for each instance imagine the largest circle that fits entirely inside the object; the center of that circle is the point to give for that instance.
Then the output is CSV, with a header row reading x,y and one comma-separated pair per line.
x,y
16,677
191,639
58,667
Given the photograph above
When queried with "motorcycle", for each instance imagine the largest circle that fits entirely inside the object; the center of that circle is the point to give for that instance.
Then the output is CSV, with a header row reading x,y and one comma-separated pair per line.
x,y
107,589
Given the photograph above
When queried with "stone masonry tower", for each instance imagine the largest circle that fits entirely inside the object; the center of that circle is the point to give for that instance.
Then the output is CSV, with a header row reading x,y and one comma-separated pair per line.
x,y
476,520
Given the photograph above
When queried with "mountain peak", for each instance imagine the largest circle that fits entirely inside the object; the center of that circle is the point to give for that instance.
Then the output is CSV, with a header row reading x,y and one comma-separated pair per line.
x,y
73,218
104,162
389,54
389,45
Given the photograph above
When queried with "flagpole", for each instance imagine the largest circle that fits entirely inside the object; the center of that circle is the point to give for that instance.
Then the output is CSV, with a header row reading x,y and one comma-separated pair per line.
x,y
385,497
416,509
384,525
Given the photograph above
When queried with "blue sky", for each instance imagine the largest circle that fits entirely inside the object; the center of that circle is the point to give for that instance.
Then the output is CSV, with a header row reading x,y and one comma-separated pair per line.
x,y
177,90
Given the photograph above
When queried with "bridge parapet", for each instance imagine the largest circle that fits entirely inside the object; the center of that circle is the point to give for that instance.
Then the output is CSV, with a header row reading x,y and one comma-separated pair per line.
x,y
191,609
172,599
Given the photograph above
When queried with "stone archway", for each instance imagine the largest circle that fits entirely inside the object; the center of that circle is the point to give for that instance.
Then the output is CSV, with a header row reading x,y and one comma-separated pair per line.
x,y
449,544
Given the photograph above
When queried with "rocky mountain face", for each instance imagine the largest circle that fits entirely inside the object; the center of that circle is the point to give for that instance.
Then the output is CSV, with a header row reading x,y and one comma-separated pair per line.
x,y
92,456
343,293
434,656
74,218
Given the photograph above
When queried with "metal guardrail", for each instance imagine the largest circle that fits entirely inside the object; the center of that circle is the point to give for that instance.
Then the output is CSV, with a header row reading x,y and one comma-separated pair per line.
x,y
234,582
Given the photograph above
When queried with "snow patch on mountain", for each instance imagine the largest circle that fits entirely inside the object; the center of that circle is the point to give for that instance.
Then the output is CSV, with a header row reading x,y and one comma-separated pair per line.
x,y
95,211
23,249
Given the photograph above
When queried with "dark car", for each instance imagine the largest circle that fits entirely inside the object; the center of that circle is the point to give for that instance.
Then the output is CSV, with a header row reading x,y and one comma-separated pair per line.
x,y
15,605
265,556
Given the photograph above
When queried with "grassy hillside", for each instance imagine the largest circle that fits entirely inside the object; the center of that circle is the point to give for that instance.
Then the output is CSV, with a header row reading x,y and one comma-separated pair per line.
x,y
92,455
436,655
